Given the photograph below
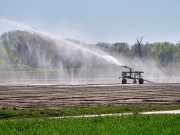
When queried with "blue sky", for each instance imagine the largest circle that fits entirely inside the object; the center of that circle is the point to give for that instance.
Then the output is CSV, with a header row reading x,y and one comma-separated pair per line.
x,y
95,21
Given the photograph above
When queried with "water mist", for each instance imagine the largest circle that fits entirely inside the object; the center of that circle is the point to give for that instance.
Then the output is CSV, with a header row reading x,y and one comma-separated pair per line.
x,y
70,63
47,59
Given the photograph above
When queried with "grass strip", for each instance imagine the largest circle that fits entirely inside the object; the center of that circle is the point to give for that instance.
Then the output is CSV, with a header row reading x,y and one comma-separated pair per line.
x,y
75,111
136,124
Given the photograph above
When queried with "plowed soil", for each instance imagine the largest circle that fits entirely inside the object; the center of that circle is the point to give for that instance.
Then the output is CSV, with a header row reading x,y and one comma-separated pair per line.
x,y
55,96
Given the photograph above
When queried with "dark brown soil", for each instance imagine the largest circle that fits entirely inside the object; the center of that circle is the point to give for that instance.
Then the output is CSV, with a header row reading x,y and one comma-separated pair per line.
x,y
55,96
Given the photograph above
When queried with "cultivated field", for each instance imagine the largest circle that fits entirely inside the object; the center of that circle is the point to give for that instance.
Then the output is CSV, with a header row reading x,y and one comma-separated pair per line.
x,y
55,96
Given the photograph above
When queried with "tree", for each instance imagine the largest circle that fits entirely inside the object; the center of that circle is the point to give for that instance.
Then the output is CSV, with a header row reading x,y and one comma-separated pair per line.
x,y
163,53
177,52
103,46
146,50
139,46
122,48
141,50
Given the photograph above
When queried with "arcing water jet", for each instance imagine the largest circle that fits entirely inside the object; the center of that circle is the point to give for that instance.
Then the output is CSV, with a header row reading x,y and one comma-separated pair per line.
x,y
46,52
109,58
75,62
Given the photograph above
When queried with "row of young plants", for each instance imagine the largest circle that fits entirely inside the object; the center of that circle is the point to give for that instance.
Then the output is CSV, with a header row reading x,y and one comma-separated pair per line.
x,y
75,111
135,124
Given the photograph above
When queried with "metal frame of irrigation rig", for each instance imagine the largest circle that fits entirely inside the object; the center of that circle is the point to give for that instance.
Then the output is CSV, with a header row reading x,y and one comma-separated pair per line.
x,y
134,75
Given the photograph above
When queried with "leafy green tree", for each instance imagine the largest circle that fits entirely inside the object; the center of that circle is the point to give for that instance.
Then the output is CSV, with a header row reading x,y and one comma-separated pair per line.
x,y
163,53
177,52
104,46
122,48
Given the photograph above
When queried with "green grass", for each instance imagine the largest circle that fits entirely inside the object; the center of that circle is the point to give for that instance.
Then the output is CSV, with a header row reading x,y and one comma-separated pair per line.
x,y
37,122
34,113
136,124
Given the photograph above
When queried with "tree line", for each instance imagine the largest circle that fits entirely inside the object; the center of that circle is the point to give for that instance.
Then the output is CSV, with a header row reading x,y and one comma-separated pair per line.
x,y
164,53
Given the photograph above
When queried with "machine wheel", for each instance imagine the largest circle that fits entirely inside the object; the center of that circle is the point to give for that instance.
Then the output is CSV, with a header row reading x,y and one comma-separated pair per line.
x,y
141,81
134,81
124,81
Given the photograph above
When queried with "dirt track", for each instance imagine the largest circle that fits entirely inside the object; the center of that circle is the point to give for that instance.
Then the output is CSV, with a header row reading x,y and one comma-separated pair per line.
x,y
54,96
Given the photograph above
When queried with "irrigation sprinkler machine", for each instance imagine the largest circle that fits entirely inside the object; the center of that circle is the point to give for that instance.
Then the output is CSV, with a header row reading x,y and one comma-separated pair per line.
x,y
134,75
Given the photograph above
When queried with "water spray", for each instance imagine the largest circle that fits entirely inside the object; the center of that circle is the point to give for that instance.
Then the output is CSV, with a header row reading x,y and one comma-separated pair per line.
x,y
108,58
135,75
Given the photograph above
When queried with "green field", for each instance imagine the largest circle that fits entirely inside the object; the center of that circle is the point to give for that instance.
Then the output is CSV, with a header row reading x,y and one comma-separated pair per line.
x,y
32,121
74,111
165,124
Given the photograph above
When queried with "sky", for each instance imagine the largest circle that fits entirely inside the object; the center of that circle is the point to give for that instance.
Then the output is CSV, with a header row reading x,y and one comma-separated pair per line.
x,y
93,21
